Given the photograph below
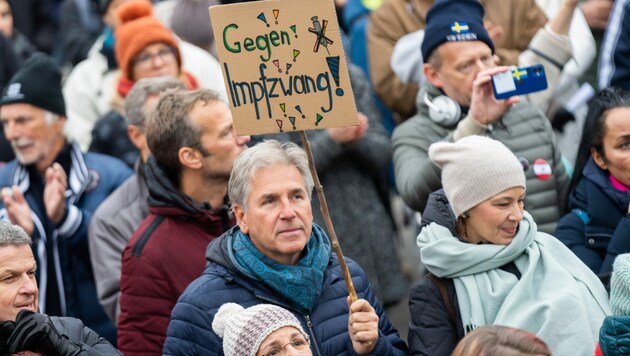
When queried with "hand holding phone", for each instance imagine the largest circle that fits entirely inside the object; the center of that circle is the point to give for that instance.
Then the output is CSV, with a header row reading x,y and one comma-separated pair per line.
x,y
484,107
519,81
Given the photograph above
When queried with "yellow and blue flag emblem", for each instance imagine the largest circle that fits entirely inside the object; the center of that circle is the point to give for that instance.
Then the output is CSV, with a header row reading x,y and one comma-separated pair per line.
x,y
519,74
459,27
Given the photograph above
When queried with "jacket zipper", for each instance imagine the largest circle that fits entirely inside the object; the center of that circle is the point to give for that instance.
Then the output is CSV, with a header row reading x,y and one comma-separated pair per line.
x,y
312,332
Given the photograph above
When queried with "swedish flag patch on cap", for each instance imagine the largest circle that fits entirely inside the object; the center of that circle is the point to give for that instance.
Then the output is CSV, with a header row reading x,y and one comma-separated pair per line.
x,y
459,27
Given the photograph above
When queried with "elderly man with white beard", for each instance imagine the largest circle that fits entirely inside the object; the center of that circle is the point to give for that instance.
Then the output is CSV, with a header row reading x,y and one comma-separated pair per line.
x,y
51,190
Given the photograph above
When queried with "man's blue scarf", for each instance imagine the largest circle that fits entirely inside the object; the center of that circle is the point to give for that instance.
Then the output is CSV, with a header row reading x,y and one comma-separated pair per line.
x,y
300,284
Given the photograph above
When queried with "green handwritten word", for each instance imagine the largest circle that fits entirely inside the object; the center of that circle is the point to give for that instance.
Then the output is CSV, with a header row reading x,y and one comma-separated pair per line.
x,y
262,42
243,93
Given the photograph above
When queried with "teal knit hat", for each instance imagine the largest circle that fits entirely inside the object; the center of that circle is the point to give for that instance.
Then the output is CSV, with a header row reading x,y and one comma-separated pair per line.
x,y
620,286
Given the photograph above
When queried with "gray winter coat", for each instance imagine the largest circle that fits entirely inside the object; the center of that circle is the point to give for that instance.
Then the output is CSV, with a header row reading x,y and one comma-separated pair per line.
x,y
91,343
112,225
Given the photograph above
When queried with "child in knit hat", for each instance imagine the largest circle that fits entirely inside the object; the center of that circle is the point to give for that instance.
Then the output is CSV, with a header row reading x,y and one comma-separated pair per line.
x,y
495,267
263,330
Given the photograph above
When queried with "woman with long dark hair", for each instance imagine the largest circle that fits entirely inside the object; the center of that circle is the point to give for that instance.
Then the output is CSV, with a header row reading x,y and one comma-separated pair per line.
x,y
596,226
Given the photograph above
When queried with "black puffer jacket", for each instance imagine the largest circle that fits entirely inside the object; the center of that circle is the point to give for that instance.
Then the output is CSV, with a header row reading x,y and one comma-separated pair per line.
x,y
430,330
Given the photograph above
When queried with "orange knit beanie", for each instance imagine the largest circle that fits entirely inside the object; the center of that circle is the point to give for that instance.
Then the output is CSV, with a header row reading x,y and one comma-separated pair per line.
x,y
138,29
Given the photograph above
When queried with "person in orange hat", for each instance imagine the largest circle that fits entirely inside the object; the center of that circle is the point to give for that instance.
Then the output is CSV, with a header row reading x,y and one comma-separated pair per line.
x,y
92,84
144,49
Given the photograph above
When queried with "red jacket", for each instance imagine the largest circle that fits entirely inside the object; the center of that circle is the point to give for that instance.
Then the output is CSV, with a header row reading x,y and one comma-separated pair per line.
x,y
164,255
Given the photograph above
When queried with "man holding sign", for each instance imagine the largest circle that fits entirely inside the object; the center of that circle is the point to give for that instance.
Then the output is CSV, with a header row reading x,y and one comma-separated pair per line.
x,y
277,255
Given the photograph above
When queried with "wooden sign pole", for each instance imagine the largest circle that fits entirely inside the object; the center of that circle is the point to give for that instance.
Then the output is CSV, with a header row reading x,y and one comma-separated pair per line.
x,y
329,226
283,60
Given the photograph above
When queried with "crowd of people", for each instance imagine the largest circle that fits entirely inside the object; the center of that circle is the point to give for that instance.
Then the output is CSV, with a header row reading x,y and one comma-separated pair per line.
x,y
134,220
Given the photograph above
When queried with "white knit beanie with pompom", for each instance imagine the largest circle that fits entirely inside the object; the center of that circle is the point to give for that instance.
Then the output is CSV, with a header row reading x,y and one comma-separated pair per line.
x,y
243,330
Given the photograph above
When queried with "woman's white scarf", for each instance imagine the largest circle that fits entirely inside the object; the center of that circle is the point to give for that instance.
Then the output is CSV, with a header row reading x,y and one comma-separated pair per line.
x,y
557,297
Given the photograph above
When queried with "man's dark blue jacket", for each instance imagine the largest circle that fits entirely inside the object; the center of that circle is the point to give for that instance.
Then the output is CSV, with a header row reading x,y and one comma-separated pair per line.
x,y
190,330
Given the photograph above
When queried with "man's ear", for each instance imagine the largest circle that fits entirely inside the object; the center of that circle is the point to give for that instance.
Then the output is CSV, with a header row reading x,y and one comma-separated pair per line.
x,y
431,74
241,218
599,159
190,157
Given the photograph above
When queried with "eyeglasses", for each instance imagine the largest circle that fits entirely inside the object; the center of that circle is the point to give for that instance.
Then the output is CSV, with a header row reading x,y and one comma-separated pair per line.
x,y
299,344
145,59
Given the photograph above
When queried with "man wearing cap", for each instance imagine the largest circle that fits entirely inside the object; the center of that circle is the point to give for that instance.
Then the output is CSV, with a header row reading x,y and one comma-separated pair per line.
x,y
457,100
278,255
22,327
51,190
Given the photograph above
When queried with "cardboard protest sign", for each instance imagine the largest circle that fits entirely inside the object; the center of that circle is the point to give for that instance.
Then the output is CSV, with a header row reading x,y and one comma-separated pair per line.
x,y
283,65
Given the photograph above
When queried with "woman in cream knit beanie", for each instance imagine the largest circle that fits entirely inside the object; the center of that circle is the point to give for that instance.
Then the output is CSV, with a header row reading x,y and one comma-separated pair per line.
x,y
259,330
496,267
474,169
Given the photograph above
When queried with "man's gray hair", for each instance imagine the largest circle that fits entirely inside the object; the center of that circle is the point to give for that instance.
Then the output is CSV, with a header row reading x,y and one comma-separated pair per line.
x,y
266,154
135,110
13,235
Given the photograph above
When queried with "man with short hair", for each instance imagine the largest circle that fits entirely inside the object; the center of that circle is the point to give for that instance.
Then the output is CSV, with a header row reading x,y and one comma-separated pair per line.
x,y
22,328
278,255
457,100
193,145
119,216
51,190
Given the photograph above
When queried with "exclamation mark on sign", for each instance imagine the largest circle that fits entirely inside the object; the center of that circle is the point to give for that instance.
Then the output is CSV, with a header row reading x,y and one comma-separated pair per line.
x,y
333,65
283,107
295,54
319,118
288,66
276,12
294,30
277,64
299,109
292,119
279,123
262,18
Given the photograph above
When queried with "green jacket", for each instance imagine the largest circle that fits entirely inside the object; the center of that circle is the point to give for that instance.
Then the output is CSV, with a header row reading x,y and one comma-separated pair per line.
x,y
524,129
614,336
